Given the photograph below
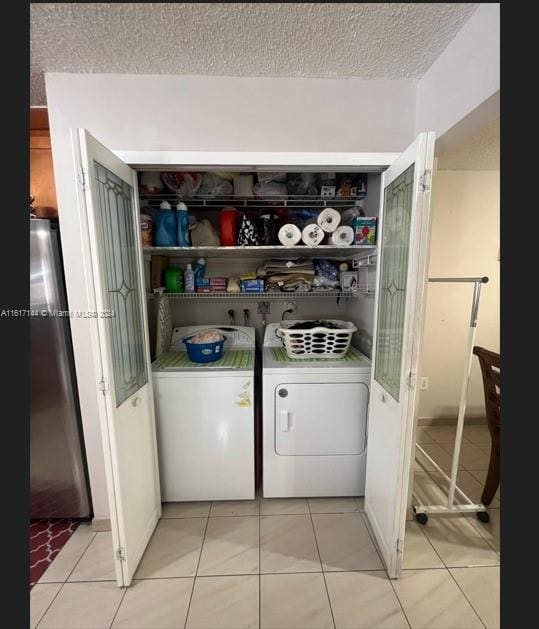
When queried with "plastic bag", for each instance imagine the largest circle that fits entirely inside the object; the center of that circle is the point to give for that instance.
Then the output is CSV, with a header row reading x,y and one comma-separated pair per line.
x,y
326,274
268,227
303,184
183,184
271,176
303,216
214,186
270,189
203,234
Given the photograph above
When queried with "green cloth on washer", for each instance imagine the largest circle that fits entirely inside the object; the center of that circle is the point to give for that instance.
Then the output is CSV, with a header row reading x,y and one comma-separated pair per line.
x,y
279,353
231,359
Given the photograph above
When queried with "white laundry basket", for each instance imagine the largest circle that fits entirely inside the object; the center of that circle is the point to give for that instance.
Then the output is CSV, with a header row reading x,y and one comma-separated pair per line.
x,y
316,342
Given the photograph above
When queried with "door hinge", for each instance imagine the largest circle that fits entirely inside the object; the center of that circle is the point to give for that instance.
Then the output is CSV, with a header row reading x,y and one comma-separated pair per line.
x,y
400,545
103,386
120,553
411,380
426,180
83,178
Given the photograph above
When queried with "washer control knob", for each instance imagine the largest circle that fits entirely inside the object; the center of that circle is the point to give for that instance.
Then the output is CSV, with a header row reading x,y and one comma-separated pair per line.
x,y
283,392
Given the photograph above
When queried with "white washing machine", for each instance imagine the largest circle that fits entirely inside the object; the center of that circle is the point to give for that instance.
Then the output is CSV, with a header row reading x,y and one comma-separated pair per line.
x,y
314,422
205,419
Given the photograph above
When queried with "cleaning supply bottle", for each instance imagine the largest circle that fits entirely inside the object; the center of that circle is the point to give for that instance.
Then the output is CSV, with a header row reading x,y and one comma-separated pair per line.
x,y
183,226
174,280
165,226
189,277
199,269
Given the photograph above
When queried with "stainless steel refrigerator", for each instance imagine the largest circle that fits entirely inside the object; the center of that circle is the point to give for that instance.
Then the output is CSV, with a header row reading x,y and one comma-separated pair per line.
x,y
58,478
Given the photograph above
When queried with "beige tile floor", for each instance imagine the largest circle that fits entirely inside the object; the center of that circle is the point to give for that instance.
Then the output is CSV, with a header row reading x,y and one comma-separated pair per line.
x,y
291,564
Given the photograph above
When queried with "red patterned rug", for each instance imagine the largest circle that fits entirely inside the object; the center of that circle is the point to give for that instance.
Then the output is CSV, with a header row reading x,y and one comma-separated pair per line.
x,y
47,538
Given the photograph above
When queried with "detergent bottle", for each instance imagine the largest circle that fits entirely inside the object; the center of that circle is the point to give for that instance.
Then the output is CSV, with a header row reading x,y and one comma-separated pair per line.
x,y
165,220
183,226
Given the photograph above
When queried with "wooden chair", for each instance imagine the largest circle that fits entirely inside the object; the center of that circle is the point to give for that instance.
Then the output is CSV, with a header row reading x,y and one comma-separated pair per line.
x,y
490,369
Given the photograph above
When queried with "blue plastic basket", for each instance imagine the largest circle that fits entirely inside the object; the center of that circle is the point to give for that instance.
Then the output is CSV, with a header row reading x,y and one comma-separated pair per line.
x,y
204,352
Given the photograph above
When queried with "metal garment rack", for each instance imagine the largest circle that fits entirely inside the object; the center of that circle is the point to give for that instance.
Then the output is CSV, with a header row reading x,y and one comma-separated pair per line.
x,y
467,506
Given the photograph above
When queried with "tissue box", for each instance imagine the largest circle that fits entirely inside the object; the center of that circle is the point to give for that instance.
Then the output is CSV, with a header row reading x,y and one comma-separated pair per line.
x,y
365,230
252,286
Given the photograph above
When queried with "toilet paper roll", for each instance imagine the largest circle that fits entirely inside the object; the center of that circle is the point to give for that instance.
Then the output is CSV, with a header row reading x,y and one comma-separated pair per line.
x,y
243,186
343,236
312,235
289,235
329,219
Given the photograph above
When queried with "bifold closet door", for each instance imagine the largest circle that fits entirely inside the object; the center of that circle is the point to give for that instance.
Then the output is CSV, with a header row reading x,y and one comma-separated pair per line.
x,y
399,311
109,208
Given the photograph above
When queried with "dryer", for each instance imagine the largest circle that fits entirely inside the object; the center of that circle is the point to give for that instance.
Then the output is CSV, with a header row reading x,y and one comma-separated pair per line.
x,y
314,422
205,419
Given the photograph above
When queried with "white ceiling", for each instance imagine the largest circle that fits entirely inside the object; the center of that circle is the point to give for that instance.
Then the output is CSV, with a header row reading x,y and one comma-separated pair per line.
x,y
365,40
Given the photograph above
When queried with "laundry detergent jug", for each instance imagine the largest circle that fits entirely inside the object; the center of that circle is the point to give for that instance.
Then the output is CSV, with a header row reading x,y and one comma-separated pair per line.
x,y
184,239
165,226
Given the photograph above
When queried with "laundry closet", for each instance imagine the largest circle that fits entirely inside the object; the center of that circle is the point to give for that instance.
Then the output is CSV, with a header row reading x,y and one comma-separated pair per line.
x,y
339,426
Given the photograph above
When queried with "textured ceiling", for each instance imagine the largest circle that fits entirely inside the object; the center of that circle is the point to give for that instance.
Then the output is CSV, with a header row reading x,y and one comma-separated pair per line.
x,y
366,40
480,151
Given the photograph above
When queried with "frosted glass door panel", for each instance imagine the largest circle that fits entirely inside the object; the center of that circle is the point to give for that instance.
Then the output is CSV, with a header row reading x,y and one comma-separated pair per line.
x,y
122,286
394,267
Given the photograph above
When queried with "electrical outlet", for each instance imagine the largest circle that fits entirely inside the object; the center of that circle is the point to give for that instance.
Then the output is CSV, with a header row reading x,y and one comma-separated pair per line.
x,y
291,306
263,307
424,383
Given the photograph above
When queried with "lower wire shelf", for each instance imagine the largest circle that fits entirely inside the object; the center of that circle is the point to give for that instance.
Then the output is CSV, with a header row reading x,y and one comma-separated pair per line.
x,y
266,295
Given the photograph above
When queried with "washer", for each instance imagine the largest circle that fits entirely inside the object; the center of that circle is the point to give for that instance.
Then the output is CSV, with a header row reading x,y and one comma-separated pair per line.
x,y
205,419
314,422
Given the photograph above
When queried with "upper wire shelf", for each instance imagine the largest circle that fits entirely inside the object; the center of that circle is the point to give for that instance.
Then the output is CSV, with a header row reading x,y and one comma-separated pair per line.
x,y
253,202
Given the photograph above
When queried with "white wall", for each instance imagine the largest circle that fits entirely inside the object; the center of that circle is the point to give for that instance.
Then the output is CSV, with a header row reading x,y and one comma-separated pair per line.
x,y
130,112
235,114
465,242
465,75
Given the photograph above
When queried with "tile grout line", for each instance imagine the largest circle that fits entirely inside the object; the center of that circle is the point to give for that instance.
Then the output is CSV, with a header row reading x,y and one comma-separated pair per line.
x,y
50,604
478,531
431,544
196,570
76,563
322,568
469,602
371,536
399,601
119,605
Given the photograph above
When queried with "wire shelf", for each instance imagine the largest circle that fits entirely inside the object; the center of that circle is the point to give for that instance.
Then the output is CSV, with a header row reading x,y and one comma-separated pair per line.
x,y
269,295
254,202
264,251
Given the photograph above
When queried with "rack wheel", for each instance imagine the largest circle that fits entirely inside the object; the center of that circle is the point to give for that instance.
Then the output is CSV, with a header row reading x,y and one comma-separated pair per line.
x,y
422,518
483,516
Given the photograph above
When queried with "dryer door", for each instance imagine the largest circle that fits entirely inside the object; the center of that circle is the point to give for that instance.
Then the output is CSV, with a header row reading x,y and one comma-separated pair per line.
x,y
319,418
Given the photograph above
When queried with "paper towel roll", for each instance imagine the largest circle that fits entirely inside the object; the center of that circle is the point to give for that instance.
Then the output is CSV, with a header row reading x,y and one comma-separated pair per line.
x,y
289,235
329,219
312,235
343,236
243,186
